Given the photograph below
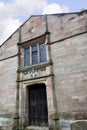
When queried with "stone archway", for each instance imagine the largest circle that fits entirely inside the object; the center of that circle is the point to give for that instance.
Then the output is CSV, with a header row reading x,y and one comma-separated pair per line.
x,y
79,125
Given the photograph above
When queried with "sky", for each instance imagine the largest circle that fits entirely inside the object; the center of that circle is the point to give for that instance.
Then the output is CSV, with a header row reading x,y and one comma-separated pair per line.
x,y
14,12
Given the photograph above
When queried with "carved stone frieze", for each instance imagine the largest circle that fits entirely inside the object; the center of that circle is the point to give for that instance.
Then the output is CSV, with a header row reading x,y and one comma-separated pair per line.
x,y
34,73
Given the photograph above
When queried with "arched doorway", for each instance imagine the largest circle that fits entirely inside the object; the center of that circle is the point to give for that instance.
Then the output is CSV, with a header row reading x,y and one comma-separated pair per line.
x,y
37,98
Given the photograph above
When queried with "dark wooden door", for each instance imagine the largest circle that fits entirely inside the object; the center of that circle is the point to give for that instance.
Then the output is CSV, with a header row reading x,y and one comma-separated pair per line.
x,y
38,105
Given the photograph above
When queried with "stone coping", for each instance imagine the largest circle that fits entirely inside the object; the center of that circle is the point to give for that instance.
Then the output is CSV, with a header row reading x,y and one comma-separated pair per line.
x,y
5,115
73,115
36,128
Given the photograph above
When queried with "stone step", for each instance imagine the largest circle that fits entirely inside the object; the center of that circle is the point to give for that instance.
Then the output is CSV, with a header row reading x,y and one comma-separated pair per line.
x,y
36,128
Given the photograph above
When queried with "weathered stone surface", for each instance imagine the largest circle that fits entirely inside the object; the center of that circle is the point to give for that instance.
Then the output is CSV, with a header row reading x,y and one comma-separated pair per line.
x,y
64,74
70,67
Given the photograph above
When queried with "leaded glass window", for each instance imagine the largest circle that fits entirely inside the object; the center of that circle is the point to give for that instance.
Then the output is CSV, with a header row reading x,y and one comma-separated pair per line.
x,y
34,55
27,57
42,52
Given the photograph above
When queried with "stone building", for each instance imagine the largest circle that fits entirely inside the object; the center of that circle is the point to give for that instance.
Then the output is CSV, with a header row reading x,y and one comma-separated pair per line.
x,y
43,71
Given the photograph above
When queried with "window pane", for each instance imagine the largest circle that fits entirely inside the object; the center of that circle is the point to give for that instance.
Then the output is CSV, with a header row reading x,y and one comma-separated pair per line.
x,y
42,52
34,55
27,57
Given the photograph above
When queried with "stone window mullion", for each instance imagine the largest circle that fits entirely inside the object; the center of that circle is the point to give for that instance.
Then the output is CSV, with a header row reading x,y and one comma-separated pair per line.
x,y
30,55
38,53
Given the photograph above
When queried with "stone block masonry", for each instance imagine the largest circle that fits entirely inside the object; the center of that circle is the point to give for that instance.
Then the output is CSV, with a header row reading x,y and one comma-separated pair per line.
x,y
64,73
